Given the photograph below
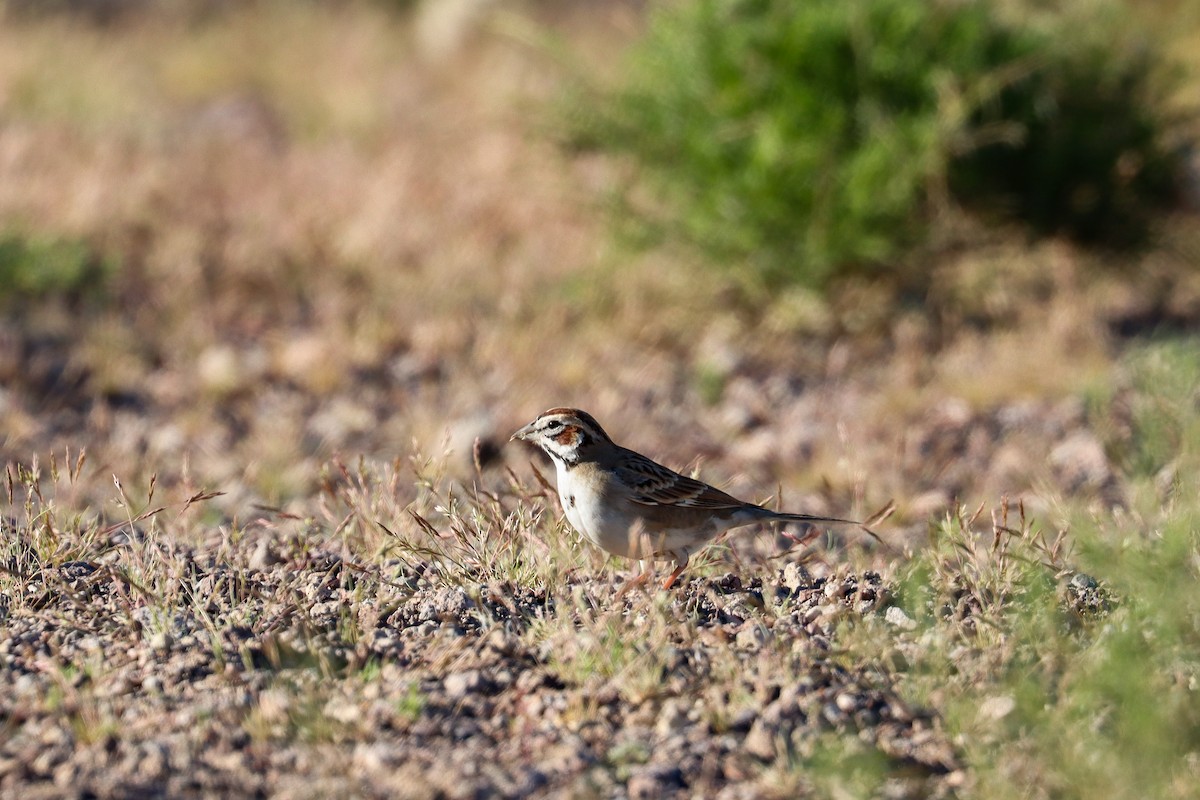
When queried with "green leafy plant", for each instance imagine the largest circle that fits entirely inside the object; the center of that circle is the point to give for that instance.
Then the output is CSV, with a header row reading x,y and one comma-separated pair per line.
x,y
1085,129
807,140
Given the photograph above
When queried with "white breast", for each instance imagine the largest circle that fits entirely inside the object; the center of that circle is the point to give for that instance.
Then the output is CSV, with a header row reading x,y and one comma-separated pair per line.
x,y
611,526
584,512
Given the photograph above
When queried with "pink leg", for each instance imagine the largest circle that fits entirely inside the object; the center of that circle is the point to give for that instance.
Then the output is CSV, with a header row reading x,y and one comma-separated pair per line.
x,y
681,563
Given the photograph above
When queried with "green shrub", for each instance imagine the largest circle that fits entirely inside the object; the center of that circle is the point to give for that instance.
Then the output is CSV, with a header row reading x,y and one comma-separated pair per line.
x,y
1088,153
32,268
806,139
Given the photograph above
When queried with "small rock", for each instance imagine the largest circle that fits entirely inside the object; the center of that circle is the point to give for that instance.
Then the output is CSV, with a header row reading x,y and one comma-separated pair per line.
x,y
460,684
654,780
896,616
45,762
503,642
66,775
760,741
74,570
744,719
342,710
728,583
153,761
1070,413
795,577
952,413
568,757
752,637
373,757
263,557
273,705
995,708
340,419
671,719
219,370
1081,581
445,605
832,714
528,780
1080,463
866,718
1016,416
304,358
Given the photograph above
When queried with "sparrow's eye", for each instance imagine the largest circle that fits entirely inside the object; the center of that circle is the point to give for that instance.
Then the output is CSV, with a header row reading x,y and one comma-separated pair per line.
x,y
553,425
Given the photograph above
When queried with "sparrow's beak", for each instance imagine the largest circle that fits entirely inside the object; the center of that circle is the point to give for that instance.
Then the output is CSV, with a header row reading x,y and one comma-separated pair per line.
x,y
524,433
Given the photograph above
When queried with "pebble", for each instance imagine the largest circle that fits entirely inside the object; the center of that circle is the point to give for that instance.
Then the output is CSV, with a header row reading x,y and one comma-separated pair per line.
x,y
1081,581
372,757
846,702
743,719
263,557
460,684
1080,463
832,714
895,616
343,710
752,637
995,708
653,781
760,741
495,714
671,719
444,605
795,577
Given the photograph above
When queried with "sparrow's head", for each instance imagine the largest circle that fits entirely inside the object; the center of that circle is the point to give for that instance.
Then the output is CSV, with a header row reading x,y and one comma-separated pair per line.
x,y
563,433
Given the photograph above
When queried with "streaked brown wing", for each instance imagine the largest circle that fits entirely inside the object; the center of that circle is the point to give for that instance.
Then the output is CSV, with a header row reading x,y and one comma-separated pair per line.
x,y
653,484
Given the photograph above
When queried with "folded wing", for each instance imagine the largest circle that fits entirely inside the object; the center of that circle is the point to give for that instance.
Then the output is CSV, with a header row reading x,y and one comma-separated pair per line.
x,y
653,484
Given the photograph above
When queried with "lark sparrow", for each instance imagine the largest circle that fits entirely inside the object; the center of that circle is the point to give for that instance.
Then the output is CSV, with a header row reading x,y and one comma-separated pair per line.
x,y
624,503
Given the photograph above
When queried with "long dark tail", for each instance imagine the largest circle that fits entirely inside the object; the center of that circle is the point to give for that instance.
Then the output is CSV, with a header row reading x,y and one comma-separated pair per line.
x,y
874,519
784,516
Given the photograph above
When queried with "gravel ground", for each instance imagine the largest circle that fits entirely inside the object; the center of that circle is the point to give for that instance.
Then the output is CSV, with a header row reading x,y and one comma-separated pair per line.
x,y
242,677
272,659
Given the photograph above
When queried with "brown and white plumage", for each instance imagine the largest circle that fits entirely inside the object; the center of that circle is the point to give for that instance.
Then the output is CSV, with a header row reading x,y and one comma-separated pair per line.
x,y
629,505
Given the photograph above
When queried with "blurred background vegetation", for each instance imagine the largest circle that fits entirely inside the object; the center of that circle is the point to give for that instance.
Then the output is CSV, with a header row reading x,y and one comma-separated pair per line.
x,y
239,238
809,141
880,248
287,230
